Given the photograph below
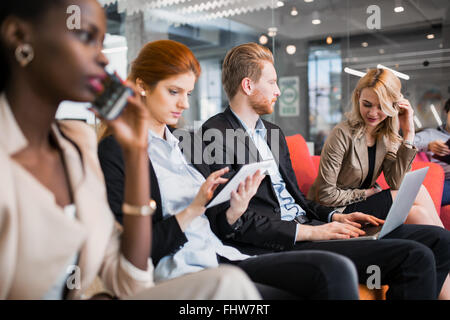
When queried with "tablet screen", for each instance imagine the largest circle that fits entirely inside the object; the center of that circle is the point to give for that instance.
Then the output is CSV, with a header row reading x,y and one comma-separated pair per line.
x,y
238,177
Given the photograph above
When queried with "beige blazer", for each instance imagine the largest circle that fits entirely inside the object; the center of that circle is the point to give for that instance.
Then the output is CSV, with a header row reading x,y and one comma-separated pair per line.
x,y
37,239
344,165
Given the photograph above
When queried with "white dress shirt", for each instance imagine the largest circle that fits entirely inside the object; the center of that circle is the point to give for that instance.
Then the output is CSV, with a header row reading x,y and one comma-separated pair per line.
x,y
179,183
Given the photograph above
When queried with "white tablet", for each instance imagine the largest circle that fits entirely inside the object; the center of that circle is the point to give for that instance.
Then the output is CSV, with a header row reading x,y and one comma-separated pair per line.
x,y
238,177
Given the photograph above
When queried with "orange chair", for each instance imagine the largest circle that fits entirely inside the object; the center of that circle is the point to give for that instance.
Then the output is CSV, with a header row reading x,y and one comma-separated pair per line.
x,y
444,211
306,168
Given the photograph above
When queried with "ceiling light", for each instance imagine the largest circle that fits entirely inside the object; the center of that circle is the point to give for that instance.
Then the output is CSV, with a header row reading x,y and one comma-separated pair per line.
x,y
308,1
294,12
435,114
418,123
291,49
280,4
315,18
430,36
364,44
329,40
381,51
263,39
398,74
354,72
398,6
272,32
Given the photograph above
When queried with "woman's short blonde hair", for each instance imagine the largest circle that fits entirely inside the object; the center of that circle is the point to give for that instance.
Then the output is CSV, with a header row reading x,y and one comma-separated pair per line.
x,y
243,61
388,89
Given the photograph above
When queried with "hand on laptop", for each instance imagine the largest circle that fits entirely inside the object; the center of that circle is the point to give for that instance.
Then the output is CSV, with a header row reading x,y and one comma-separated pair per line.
x,y
329,231
357,219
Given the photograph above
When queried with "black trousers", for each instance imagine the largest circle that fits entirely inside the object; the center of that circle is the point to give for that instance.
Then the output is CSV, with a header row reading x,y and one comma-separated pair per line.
x,y
314,275
414,260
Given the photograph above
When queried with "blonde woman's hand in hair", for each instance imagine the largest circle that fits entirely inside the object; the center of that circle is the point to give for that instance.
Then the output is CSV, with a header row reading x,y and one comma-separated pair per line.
x,y
439,148
241,197
204,194
406,119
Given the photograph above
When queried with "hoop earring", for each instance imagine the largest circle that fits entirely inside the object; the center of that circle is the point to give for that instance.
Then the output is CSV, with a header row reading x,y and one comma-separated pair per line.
x,y
24,54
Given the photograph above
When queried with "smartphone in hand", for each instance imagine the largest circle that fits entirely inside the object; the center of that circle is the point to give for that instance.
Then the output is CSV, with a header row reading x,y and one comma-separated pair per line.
x,y
112,98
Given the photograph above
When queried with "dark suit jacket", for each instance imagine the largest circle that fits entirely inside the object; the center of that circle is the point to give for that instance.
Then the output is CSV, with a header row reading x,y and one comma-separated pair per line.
x,y
261,224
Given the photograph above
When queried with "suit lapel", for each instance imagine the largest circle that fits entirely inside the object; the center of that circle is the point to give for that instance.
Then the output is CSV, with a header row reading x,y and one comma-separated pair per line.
x,y
360,148
242,137
379,157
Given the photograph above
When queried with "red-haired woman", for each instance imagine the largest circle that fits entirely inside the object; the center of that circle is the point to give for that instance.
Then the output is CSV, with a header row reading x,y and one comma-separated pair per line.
x,y
165,73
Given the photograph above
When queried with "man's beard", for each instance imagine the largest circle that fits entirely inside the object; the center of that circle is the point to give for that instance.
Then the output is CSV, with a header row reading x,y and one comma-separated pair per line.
x,y
261,104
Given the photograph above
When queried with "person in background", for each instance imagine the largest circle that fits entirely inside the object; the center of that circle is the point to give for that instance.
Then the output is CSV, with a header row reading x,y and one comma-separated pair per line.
x,y
54,215
165,73
433,142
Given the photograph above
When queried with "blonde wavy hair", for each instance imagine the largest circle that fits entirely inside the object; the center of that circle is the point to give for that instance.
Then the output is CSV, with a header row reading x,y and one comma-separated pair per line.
x,y
388,89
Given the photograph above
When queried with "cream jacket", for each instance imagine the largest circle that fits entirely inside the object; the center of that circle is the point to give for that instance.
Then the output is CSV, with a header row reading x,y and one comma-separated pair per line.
x,y
344,165
37,239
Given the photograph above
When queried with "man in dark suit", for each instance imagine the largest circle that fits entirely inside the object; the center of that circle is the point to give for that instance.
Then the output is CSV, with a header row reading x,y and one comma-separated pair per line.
x,y
413,260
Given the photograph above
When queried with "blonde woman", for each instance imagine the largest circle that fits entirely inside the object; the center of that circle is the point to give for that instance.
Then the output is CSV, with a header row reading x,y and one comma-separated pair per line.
x,y
366,144
363,146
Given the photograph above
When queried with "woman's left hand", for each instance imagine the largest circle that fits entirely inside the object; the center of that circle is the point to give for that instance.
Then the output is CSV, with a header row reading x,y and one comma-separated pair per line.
x,y
406,116
241,197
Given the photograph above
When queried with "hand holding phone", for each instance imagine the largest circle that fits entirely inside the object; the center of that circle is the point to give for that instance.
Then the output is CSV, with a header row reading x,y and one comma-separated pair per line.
x,y
112,97
122,110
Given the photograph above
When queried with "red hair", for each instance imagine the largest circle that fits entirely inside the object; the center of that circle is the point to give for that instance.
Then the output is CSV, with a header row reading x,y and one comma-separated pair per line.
x,y
157,61
162,59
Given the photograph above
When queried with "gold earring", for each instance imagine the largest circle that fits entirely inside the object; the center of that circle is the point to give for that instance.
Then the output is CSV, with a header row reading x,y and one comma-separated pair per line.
x,y
24,54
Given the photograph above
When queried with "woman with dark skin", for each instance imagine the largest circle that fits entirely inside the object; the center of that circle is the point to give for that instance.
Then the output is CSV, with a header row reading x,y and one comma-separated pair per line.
x,y
43,63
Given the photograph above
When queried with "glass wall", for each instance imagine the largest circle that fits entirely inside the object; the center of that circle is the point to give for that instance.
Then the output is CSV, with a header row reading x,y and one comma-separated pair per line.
x,y
318,45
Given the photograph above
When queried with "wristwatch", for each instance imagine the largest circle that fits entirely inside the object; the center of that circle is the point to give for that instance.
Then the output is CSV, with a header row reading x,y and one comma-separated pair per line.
x,y
146,210
408,143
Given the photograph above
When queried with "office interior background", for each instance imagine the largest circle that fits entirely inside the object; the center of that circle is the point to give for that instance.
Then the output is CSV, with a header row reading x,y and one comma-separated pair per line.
x,y
321,47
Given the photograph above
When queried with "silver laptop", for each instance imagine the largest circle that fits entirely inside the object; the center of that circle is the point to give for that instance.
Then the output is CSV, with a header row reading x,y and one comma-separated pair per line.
x,y
400,207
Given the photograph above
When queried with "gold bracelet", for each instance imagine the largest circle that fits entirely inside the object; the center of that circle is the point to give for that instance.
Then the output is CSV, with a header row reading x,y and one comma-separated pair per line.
x,y
146,210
